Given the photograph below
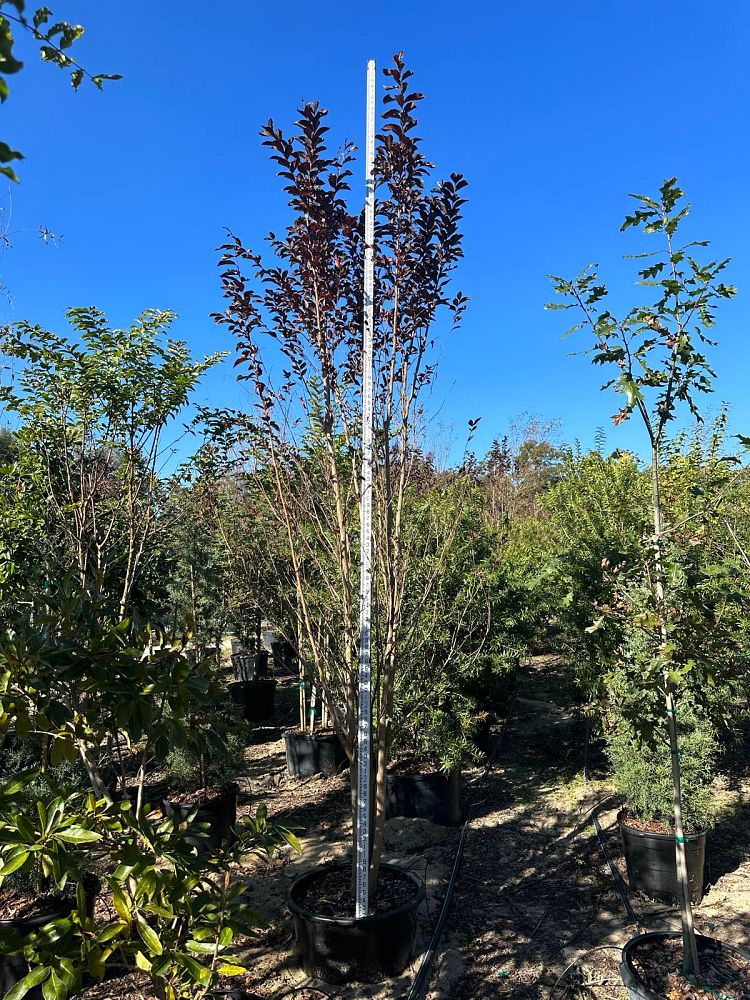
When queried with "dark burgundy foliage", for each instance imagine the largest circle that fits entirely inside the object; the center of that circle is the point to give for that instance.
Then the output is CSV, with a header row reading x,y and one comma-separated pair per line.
x,y
307,294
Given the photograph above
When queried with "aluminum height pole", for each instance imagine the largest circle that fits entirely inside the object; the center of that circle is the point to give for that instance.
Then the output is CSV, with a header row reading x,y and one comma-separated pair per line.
x,y
364,731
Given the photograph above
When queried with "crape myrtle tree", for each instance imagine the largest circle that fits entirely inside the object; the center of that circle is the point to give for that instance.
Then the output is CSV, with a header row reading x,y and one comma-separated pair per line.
x,y
657,352
89,414
296,313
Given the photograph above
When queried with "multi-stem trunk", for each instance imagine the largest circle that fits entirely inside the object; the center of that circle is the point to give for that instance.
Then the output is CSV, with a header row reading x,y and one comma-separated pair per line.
x,y
690,948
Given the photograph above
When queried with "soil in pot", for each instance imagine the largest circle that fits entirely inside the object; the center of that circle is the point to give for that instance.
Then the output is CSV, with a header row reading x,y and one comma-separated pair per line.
x,y
153,793
257,699
137,986
313,753
217,807
428,795
652,968
22,914
650,857
333,945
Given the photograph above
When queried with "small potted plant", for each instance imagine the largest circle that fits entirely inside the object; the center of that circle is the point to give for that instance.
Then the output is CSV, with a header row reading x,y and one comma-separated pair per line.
x,y
178,913
642,772
201,778
254,689
46,890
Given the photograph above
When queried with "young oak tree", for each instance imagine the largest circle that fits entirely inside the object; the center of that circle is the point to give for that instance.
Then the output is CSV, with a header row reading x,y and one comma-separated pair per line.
x,y
657,352
296,315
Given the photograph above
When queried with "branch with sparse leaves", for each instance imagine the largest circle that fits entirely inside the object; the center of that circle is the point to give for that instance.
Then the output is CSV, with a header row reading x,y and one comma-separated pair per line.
x,y
54,40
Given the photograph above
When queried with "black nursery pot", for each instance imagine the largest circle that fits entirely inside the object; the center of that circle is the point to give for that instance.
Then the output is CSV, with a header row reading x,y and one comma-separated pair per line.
x,y
345,949
219,812
482,734
231,995
434,796
250,666
284,656
637,989
317,753
651,860
13,968
257,699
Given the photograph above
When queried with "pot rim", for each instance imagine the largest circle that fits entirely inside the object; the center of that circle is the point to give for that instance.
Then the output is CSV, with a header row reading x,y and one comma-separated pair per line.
x,y
658,836
92,886
318,918
48,914
257,681
228,791
297,734
454,774
628,973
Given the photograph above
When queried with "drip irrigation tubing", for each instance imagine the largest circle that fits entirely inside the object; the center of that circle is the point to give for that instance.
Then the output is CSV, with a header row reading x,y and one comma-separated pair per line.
x,y
420,980
617,881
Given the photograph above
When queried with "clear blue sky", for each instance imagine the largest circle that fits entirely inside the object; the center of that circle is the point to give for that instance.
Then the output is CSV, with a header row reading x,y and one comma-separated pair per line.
x,y
554,111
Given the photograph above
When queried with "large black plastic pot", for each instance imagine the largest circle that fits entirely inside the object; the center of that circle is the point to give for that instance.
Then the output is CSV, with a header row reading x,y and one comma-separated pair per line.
x,y
13,968
651,860
284,656
482,733
637,989
316,753
219,813
250,666
345,949
257,699
434,796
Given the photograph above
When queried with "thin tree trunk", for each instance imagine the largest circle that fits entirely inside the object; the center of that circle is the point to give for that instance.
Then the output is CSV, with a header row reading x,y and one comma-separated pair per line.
x,y
691,965
381,776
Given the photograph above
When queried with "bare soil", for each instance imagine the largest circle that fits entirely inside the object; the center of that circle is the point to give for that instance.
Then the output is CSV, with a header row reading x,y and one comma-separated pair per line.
x,y
15,905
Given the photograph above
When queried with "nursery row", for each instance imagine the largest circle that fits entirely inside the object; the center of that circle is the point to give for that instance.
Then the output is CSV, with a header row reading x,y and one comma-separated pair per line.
x,y
128,835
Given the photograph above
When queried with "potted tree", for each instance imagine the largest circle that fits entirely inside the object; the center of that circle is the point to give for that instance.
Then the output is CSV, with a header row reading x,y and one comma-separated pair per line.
x,y
303,447
643,776
656,352
253,689
458,634
46,889
201,776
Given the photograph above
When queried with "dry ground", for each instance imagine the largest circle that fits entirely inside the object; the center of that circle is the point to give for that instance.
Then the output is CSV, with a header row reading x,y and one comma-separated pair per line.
x,y
534,896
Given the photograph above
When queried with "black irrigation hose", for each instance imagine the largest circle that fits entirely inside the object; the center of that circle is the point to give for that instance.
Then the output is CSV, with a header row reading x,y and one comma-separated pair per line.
x,y
617,881
616,877
420,980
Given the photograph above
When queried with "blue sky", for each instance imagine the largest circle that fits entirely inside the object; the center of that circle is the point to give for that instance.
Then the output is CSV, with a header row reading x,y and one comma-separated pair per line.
x,y
554,111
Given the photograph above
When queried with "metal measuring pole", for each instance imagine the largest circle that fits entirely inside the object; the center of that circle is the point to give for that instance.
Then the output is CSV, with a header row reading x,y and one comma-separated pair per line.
x,y
364,732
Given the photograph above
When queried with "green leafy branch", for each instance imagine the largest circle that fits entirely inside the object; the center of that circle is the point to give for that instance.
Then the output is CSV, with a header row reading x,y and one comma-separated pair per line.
x,y
54,40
